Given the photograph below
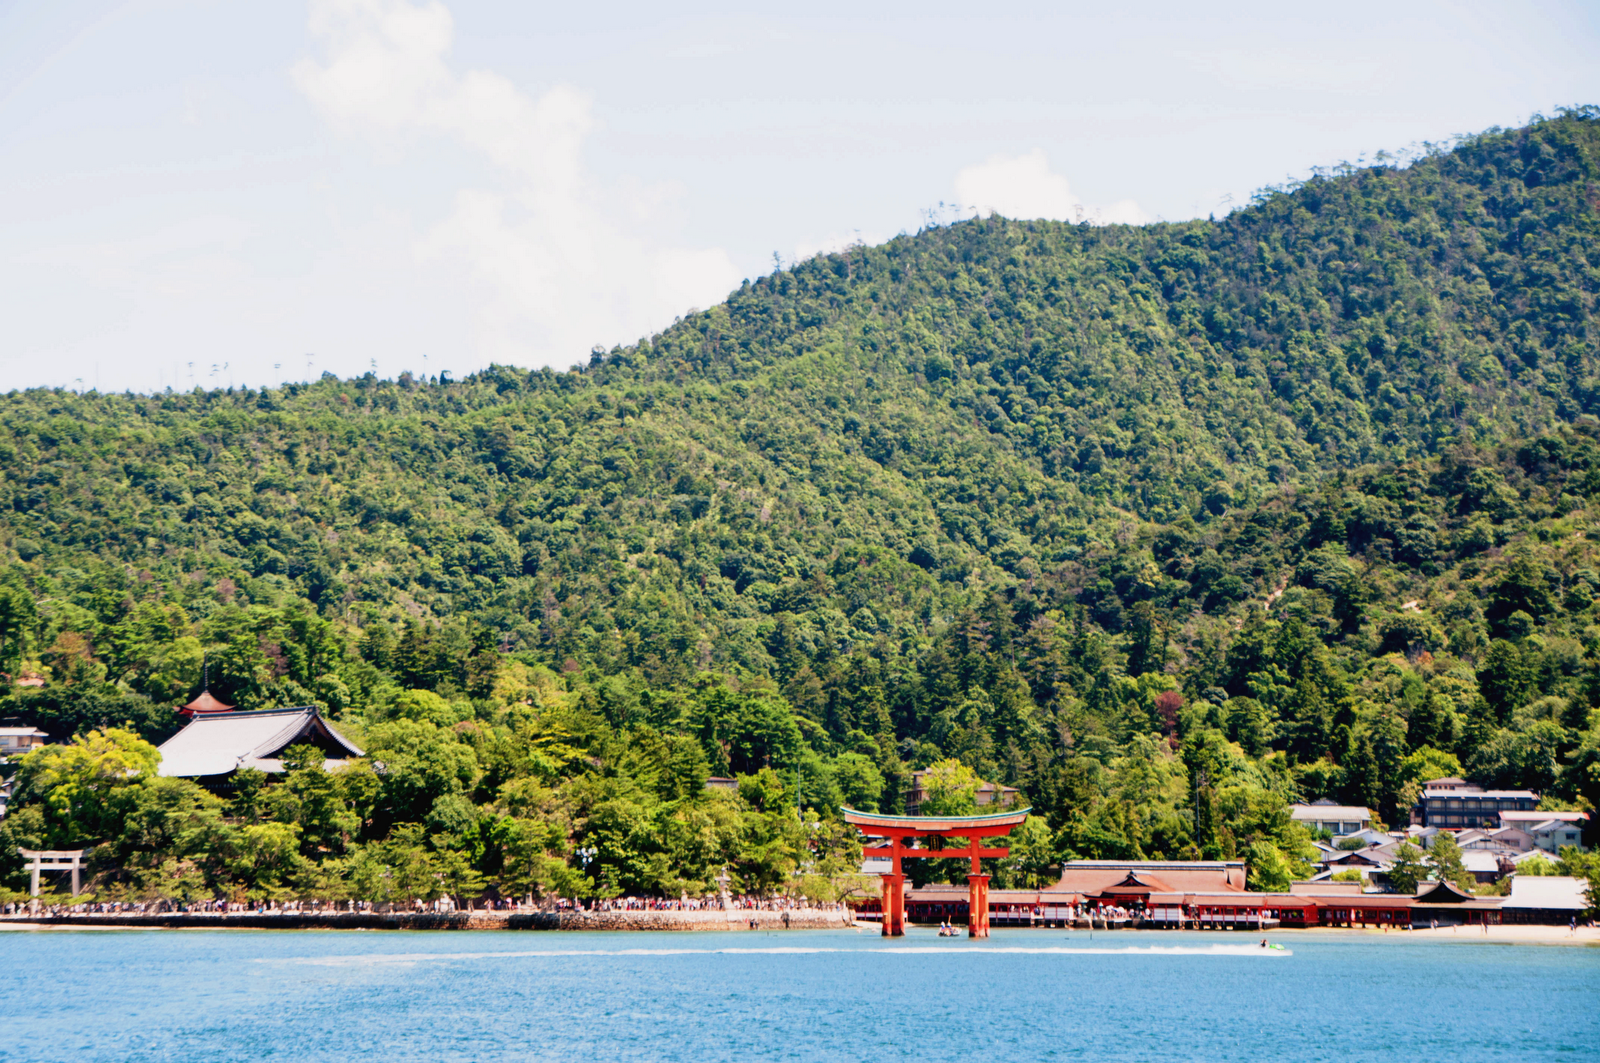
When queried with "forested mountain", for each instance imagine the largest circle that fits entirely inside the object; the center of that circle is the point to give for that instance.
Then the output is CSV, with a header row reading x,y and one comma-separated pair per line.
x,y
1166,525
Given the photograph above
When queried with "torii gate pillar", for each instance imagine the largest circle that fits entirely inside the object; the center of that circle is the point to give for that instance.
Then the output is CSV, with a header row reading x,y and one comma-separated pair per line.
x,y
894,905
977,906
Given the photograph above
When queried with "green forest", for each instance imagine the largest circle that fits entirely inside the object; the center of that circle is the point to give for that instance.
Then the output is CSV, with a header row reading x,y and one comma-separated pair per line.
x,y
1167,526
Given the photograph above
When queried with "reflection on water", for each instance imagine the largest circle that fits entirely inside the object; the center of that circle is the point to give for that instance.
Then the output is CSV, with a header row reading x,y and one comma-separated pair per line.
x,y
800,995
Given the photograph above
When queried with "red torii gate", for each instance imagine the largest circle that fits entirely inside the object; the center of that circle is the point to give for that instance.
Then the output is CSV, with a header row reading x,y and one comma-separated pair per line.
x,y
896,829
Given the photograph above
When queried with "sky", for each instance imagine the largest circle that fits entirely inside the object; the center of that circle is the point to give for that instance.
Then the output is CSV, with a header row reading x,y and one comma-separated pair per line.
x,y
237,192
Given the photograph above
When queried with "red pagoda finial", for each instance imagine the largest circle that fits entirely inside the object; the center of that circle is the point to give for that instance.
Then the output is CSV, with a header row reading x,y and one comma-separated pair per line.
x,y
203,702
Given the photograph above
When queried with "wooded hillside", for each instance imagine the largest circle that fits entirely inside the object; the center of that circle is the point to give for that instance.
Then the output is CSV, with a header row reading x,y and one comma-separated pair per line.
x,y
1165,525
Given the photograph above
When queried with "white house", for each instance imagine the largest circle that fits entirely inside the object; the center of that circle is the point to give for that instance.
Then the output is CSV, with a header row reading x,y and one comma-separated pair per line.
x,y
1553,834
1506,839
1524,820
1337,820
15,741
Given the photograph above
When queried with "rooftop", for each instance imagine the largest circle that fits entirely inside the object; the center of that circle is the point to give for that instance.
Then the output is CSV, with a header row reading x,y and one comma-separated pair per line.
x,y
1319,811
1090,877
220,742
1552,825
1522,795
1541,817
1485,861
1547,891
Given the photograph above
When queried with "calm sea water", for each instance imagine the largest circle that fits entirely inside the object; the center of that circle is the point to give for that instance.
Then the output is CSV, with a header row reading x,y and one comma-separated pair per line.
x,y
242,996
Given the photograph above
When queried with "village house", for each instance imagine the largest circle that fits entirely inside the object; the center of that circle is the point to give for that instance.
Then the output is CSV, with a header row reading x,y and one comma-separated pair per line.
x,y
15,741
1555,834
1337,820
1508,839
1487,865
1366,860
1524,820
1518,859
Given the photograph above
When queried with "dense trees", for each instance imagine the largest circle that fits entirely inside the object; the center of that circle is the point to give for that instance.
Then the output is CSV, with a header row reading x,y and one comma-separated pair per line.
x,y
1166,526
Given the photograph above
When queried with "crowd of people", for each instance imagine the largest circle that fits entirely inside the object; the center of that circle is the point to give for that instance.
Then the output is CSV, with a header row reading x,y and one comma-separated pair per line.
x,y
438,905
699,904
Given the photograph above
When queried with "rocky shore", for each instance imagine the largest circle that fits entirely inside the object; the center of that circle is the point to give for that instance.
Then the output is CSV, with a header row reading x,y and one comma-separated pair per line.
x,y
735,919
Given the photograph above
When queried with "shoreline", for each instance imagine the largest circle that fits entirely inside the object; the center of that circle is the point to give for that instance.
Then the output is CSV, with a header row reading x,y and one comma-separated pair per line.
x,y
736,920
668,921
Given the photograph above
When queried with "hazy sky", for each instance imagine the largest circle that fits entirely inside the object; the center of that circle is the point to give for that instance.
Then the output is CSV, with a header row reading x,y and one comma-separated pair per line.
x,y
216,191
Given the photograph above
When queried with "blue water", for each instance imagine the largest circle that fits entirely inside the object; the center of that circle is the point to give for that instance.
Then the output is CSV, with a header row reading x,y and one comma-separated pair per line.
x,y
243,996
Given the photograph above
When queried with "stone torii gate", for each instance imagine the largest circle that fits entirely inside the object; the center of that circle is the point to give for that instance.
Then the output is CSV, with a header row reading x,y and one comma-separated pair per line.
x,y
52,860
897,829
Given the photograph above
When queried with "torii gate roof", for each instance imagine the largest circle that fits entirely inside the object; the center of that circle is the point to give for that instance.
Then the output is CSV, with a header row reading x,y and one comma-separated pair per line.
x,y
996,823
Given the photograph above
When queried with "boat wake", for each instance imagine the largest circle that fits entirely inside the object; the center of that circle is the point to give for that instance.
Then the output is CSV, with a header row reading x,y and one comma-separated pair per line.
x,y
412,958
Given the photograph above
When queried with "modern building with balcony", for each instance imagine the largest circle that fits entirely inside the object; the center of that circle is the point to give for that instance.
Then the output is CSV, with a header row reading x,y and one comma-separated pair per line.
x,y
1455,804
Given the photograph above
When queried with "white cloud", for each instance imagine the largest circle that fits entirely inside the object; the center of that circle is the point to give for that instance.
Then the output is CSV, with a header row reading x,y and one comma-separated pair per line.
x,y
554,263
1024,186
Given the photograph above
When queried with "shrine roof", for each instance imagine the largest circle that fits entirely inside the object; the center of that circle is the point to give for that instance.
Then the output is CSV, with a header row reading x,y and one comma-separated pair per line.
x,y
1089,878
219,742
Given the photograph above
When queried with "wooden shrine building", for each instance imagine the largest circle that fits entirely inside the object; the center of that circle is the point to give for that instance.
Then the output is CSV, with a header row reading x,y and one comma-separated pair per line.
x,y
215,745
896,831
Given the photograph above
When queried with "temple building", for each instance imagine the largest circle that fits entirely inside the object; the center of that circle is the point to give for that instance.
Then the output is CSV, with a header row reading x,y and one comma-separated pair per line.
x,y
1128,881
214,745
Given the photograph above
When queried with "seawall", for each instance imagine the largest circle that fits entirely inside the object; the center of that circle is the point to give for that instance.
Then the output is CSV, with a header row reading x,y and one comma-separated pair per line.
x,y
736,919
